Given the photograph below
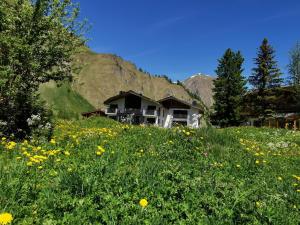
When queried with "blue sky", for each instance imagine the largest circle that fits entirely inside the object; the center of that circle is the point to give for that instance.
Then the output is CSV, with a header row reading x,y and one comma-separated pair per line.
x,y
182,37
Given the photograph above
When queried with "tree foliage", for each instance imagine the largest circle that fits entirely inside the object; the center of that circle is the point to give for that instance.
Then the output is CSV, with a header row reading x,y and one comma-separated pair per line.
x,y
266,75
37,42
294,65
229,88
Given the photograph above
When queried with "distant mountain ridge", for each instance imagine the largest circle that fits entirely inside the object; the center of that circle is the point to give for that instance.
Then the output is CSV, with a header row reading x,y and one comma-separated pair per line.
x,y
202,86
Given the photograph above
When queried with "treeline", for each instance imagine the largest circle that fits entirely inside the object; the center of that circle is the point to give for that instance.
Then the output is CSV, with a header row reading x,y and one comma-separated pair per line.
x,y
233,102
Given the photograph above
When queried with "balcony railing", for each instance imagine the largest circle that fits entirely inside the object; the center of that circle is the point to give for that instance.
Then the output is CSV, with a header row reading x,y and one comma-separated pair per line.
x,y
180,116
111,111
149,112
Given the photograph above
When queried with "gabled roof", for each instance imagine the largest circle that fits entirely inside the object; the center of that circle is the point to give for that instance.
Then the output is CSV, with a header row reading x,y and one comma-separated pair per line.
x,y
123,94
180,101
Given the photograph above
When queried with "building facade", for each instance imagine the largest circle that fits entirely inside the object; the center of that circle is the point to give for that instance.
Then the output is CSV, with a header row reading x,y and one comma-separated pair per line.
x,y
136,108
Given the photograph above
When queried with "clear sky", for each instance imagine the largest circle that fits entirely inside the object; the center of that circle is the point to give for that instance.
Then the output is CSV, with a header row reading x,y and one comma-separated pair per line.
x,y
182,37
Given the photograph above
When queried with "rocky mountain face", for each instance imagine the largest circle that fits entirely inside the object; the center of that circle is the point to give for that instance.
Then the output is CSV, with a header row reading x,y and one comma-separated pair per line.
x,y
201,85
105,75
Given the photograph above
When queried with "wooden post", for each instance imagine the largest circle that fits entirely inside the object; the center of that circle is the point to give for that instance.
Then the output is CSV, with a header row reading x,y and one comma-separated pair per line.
x,y
269,123
277,123
295,125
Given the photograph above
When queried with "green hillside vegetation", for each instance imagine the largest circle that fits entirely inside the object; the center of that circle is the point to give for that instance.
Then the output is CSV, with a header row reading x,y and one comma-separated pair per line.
x,y
65,102
98,171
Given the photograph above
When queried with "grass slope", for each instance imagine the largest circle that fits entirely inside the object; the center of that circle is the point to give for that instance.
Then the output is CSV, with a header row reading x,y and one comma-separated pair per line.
x,y
64,101
96,171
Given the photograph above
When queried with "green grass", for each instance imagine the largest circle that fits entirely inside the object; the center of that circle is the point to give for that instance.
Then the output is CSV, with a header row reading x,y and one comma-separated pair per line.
x,y
206,176
64,101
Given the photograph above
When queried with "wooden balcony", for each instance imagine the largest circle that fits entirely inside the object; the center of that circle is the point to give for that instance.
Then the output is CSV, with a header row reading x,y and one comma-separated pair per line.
x,y
111,111
180,116
149,112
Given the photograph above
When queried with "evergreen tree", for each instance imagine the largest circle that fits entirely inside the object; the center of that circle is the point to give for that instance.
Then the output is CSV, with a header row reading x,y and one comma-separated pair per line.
x,y
265,76
294,65
229,88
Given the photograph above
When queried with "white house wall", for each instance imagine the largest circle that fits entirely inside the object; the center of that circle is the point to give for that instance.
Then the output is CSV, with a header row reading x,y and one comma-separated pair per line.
x,y
146,103
193,118
121,104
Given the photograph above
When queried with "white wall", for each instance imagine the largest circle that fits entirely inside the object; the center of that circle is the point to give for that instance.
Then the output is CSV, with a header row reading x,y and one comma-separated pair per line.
x,y
145,104
194,118
120,102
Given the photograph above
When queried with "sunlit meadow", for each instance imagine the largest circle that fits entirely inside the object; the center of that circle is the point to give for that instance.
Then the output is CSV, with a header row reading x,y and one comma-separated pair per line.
x,y
98,171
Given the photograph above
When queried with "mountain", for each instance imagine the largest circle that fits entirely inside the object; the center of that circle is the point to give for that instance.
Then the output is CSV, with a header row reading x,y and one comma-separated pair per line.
x,y
201,85
102,76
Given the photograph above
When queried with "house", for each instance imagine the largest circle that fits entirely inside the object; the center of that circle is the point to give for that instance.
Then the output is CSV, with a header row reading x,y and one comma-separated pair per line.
x,y
285,102
136,108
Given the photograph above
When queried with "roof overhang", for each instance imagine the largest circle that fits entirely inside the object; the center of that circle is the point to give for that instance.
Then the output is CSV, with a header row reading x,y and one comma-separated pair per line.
x,y
178,102
123,94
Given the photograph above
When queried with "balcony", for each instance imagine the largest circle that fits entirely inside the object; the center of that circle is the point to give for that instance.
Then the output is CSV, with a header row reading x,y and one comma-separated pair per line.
x,y
111,111
149,112
180,116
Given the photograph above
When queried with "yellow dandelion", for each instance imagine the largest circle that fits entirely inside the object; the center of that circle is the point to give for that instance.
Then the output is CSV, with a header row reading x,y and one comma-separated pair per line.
x,y
67,153
40,167
5,218
298,190
257,161
29,164
279,178
238,166
143,202
258,204
52,141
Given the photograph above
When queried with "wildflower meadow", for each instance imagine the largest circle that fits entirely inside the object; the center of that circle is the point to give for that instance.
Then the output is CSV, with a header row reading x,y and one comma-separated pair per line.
x,y
98,171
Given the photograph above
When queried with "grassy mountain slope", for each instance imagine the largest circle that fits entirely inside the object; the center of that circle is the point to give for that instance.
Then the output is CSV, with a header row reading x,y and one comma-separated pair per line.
x,y
64,101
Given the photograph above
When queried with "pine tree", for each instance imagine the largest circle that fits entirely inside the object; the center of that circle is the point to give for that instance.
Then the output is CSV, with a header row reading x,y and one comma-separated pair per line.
x,y
265,76
294,65
229,88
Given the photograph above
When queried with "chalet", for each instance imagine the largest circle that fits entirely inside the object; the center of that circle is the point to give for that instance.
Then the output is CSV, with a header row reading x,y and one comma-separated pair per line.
x,y
136,108
285,102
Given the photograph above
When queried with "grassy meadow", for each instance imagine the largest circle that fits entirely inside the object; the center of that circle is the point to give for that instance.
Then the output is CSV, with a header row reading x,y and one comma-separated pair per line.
x,y
97,171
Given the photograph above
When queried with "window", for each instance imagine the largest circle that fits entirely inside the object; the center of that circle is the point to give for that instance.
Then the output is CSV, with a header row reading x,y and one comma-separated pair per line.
x,y
180,114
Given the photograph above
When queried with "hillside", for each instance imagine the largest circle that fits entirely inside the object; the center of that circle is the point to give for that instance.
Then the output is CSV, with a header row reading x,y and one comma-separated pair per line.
x,y
104,75
202,86
64,101
97,171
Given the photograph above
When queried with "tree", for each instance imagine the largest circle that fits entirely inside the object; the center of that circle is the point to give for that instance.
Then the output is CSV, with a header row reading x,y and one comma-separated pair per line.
x,y
294,65
229,88
38,39
265,76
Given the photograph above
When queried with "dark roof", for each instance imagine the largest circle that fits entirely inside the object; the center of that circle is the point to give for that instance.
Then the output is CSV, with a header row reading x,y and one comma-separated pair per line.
x,y
123,94
180,101
92,113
